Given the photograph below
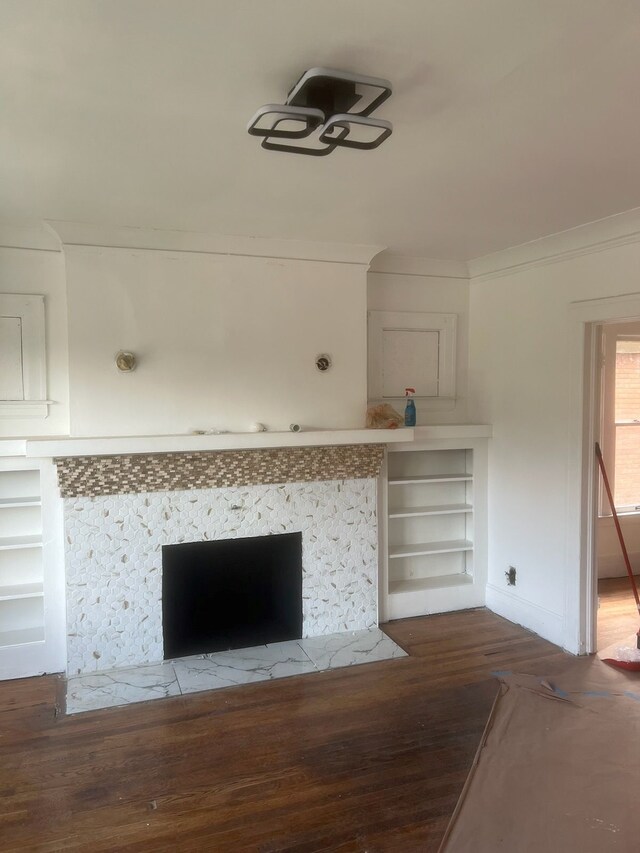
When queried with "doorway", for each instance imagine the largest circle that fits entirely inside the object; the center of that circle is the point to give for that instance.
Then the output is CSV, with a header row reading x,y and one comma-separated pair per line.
x,y
619,431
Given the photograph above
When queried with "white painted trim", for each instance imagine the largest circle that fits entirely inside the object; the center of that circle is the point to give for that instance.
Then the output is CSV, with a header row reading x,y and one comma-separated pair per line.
x,y
55,606
586,596
404,605
448,436
24,408
383,541
29,235
538,619
389,263
12,447
85,234
607,233
425,433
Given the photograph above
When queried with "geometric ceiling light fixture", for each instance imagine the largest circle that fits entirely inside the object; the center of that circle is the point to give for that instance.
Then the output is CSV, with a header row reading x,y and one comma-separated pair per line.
x,y
324,110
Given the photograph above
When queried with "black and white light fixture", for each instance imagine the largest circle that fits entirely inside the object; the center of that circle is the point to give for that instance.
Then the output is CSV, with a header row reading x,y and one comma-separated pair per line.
x,y
325,109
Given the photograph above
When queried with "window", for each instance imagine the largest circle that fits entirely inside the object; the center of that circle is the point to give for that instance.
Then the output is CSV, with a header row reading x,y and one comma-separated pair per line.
x,y
621,415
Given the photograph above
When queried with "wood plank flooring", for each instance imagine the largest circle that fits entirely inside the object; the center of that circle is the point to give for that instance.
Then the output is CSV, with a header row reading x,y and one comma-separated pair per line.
x,y
369,758
617,614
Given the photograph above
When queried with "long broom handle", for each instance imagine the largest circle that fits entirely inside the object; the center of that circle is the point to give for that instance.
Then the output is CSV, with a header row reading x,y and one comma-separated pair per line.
x,y
618,528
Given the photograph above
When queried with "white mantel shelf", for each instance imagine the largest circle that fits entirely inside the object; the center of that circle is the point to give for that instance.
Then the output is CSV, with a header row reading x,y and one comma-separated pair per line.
x,y
117,445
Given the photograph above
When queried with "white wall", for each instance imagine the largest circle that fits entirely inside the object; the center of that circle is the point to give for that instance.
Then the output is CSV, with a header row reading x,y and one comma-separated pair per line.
x,y
41,272
222,340
521,380
610,559
437,294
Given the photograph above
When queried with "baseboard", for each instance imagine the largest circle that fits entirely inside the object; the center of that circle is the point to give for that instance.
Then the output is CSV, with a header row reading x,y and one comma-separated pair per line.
x,y
612,565
538,619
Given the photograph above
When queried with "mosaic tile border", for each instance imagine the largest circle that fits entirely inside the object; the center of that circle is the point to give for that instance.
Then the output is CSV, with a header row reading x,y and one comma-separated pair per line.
x,y
97,476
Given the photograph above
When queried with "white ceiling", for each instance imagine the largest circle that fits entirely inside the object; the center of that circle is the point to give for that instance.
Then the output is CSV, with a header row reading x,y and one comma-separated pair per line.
x,y
513,119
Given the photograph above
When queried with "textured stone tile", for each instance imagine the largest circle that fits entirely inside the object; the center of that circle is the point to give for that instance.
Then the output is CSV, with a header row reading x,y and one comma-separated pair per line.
x,y
114,545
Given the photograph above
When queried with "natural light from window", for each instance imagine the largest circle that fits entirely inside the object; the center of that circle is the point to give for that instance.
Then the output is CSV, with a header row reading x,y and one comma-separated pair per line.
x,y
627,425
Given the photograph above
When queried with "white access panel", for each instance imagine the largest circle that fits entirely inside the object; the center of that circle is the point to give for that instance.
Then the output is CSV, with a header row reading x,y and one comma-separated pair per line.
x,y
410,349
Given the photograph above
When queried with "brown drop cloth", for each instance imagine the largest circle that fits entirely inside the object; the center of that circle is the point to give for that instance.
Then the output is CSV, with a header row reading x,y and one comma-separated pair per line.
x,y
558,769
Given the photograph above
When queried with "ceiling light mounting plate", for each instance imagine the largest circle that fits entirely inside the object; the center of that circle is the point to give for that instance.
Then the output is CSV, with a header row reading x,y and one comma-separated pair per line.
x,y
338,90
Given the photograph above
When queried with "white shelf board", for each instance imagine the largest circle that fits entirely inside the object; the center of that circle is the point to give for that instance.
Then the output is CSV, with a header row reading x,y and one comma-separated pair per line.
x,y
437,582
430,478
11,503
443,509
114,445
14,543
435,599
21,590
424,433
446,547
21,636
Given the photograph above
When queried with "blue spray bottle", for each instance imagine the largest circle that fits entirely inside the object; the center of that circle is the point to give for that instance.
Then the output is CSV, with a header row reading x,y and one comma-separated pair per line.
x,y
410,408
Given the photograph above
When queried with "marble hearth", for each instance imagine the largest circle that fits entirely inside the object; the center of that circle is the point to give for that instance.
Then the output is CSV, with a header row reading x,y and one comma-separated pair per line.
x,y
119,512
108,689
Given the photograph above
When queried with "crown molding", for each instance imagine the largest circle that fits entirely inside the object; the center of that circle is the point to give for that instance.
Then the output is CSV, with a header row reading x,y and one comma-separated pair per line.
x,y
85,234
391,263
617,230
28,235
53,235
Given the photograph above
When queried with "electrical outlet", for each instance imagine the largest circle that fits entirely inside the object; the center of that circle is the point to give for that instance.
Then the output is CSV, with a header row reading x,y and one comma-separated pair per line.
x,y
511,576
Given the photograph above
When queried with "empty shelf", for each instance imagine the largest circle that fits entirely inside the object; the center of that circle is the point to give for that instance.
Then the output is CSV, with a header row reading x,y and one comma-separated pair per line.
x,y
22,636
418,549
21,590
11,543
444,509
419,584
9,503
429,478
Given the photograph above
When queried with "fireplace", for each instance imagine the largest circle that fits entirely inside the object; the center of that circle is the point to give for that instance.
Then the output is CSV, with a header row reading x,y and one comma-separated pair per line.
x,y
231,594
122,514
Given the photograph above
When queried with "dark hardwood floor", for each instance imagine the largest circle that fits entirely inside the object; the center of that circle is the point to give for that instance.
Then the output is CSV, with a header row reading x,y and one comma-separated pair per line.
x,y
370,758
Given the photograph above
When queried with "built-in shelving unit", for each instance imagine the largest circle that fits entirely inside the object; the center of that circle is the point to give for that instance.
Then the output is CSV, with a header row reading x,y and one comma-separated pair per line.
x,y
434,558
32,609
21,568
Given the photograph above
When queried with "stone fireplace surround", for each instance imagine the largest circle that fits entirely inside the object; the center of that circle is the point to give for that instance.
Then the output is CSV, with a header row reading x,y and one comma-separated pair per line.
x,y
120,510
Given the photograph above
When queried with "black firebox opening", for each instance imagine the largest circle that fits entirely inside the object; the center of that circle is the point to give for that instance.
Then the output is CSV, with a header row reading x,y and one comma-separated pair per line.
x,y
231,594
